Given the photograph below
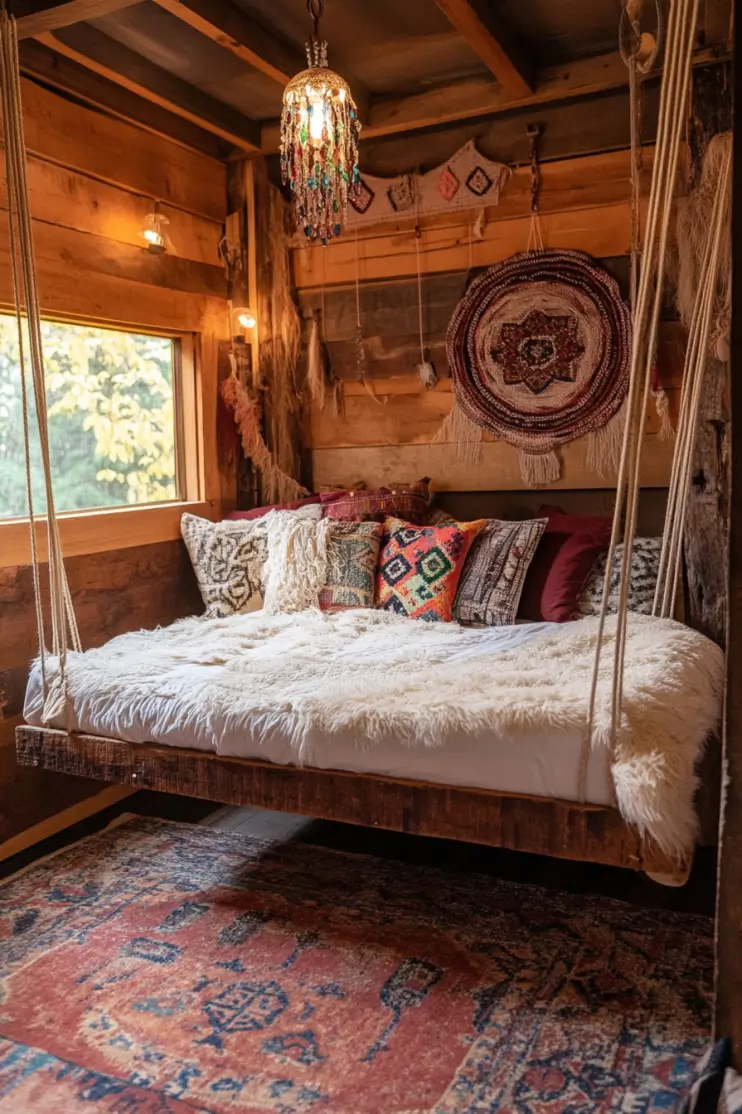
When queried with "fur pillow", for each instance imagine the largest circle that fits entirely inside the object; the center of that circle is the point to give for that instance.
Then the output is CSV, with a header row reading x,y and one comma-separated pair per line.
x,y
296,568
495,571
645,563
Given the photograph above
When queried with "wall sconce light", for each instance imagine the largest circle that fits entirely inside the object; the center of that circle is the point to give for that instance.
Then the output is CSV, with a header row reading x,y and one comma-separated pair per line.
x,y
244,318
154,231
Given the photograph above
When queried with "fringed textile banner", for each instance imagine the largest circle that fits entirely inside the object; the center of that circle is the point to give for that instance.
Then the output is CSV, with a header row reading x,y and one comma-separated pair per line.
x,y
466,181
539,353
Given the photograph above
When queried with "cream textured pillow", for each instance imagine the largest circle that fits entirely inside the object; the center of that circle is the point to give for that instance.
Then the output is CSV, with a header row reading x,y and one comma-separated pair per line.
x,y
297,564
229,559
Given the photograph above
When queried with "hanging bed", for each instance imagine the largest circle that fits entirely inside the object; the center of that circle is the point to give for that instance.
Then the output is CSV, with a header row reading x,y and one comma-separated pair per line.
x,y
369,718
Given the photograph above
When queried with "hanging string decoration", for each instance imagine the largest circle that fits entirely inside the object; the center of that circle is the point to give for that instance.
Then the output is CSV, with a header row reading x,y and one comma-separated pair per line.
x,y
64,631
468,180
319,141
539,350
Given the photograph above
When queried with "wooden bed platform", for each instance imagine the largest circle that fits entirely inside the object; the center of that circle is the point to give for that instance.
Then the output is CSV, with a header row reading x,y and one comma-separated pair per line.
x,y
562,829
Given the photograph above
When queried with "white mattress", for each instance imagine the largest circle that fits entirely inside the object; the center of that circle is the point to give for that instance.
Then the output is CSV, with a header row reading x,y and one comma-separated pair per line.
x,y
160,709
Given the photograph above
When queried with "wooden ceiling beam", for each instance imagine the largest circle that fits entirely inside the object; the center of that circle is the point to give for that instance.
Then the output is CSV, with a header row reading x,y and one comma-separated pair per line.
x,y
35,17
55,71
495,44
112,60
229,26
478,97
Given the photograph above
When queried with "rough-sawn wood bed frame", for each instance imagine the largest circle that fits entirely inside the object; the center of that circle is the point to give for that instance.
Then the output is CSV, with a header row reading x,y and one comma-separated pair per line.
x,y
542,825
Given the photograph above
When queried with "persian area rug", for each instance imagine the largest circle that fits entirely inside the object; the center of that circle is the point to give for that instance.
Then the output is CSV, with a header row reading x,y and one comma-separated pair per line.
x,y
165,969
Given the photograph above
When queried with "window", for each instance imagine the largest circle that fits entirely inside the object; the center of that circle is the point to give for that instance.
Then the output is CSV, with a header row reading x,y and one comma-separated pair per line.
x,y
112,427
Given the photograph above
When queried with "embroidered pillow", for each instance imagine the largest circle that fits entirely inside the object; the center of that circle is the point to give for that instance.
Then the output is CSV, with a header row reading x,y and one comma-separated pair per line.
x,y
420,567
495,571
352,560
645,563
406,501
228,559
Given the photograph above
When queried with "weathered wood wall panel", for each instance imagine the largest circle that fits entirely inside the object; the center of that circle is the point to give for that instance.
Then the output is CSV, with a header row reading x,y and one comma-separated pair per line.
x,y
387,428
112,593
69,135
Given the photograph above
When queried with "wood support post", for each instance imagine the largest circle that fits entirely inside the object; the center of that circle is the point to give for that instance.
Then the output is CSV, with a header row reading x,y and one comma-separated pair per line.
x,y
728,1015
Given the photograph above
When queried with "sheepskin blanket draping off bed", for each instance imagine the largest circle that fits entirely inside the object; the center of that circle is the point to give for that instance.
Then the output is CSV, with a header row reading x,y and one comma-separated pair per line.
x,y
382,677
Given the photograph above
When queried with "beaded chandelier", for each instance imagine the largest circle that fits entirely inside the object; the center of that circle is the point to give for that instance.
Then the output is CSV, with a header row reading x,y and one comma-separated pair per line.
x,y
319,141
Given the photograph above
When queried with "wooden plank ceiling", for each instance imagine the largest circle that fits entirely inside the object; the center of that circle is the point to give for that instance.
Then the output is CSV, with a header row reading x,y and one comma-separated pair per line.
x,y
210,73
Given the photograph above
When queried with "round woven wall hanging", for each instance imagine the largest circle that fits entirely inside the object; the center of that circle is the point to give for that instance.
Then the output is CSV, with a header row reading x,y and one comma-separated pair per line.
x,y
539,350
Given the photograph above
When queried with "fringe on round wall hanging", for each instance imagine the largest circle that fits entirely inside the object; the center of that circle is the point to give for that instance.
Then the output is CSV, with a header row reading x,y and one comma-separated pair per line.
x,y
539,351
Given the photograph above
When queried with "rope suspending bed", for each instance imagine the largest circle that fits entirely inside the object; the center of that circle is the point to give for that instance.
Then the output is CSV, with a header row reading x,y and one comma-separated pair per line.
x,y
595,832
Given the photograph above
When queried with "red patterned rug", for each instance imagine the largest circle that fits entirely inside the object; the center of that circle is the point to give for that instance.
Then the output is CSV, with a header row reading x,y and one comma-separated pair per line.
x,y
166,969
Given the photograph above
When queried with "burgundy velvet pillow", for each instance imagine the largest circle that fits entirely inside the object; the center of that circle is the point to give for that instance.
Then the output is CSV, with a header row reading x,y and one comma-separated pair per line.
x,y
259,512
563,561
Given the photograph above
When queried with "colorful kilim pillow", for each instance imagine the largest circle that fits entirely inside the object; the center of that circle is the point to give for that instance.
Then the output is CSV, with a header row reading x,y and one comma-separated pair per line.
x,y
493,577
353,557
420,567
406,501
645,562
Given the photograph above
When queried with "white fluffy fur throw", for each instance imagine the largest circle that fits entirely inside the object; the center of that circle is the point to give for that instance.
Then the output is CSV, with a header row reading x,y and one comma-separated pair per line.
x,y
380,676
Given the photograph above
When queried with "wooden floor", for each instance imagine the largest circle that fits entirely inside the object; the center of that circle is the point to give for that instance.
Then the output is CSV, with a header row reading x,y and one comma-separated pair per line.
x,y
698,896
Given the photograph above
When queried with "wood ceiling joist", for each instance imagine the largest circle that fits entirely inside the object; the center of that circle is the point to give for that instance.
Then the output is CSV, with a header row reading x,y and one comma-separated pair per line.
x,y
488,37
55,71
112,60
226,24
475,97
34,17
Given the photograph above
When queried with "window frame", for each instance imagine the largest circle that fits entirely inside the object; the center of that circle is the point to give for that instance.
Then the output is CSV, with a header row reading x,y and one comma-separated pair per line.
x,y
104,529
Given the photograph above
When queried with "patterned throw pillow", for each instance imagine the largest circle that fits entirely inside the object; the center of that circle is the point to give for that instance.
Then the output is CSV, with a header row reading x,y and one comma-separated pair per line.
x,y
228,559
645,564
495,572
352,560
406,501
420,567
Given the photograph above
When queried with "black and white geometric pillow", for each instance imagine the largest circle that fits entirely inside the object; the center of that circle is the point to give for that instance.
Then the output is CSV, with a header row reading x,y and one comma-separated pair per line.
x,y
644,569
228,559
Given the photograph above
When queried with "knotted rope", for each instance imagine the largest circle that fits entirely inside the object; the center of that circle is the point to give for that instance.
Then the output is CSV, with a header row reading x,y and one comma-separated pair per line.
x,y
673,103
65,633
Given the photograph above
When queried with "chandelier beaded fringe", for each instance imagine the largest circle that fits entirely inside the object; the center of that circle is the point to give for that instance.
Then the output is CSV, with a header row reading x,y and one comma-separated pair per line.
x,y
319,142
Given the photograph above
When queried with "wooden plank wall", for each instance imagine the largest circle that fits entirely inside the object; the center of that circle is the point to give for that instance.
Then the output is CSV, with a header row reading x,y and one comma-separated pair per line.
x,y
93,180
388,438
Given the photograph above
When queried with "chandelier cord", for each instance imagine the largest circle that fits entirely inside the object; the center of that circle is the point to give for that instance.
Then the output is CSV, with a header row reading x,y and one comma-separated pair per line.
x,y
315,9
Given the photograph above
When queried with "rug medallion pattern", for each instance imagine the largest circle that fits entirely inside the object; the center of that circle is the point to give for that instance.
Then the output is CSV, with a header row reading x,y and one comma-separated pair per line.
x,y
165,969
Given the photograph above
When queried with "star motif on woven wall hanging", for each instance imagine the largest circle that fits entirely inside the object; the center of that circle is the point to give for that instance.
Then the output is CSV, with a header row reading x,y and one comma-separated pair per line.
x,y
541,349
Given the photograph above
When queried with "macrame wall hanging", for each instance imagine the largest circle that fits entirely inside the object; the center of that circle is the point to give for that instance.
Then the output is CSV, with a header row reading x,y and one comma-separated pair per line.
x,y
539,350
466,181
